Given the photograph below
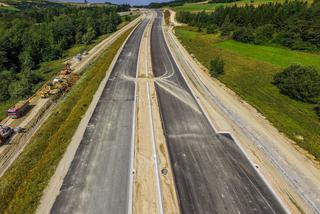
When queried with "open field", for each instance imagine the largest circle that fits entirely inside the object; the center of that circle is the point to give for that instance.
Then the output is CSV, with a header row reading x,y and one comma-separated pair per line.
x,y
250,76
8,8
196,7
274,55
22,185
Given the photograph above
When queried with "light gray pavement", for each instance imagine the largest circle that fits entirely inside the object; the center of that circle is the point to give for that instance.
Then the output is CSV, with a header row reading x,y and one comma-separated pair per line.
x,y
98,180
212,174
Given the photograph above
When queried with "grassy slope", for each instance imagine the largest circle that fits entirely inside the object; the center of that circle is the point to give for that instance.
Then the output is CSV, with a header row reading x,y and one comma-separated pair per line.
x,y
273,55
22,185
194,7
250,75
9,8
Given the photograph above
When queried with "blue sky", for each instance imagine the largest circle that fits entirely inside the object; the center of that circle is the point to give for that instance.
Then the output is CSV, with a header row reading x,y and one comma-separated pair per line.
x,y
132,2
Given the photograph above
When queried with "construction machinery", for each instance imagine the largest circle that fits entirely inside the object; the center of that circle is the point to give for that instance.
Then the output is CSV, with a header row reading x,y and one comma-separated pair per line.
x,y
5,133
18,110
54,87
66,70
60,83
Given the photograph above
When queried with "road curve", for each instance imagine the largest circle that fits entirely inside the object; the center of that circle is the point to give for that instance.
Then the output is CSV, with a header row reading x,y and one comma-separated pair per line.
x,y
98,180
212,175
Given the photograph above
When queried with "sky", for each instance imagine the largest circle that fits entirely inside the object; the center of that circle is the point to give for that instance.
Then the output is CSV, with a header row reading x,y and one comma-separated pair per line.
x,y
131,2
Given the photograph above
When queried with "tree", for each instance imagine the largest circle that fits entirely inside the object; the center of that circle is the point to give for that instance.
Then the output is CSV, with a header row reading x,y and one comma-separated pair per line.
x,y
216,67
243,34
227,27
3,60
4,89
211,29
264,34
20,89
299,82
317,109
88,36
26,60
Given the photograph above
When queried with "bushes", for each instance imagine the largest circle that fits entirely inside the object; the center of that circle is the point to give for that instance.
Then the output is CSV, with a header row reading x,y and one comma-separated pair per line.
x,y
211,29
216,67
243,34
293,24
264,34
301,83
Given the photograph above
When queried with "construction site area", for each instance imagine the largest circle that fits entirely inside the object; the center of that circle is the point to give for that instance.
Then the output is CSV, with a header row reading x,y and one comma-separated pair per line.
x,y
26,116
158,135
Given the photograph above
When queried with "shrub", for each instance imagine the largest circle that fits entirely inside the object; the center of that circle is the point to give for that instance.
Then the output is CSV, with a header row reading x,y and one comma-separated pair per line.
x,y
264,34
298,82
216,67
243,34
211,29
20,89
227,27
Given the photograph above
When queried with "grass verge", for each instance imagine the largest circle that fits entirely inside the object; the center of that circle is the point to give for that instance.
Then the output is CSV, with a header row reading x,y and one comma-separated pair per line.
x,y
251,76
22,185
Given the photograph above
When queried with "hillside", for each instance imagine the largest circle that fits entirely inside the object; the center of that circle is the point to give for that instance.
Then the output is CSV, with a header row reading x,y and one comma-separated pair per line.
x,y
17,5
207,6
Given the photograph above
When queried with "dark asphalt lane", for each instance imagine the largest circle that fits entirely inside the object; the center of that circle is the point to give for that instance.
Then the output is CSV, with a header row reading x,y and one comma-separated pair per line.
x,y
98,179
211,173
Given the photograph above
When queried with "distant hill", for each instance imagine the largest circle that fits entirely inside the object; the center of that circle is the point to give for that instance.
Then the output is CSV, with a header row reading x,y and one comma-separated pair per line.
x,y
31,4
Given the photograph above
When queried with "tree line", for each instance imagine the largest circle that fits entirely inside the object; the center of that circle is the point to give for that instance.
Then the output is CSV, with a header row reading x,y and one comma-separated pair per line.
x,y
293,24
170,3
30,37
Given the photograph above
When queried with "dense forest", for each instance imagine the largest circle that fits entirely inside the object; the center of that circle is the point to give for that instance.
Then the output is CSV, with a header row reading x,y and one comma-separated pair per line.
x,y
293,24
30,37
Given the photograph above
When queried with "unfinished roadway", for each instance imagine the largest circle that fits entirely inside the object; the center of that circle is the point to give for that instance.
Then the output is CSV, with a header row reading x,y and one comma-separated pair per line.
x,y
212,174
99,178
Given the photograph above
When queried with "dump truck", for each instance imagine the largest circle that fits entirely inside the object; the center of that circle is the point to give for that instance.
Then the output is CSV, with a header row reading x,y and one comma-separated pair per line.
x,y
18,110
5,133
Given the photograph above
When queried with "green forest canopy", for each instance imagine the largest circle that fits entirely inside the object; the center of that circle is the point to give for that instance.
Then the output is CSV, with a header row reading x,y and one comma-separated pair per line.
x,y
293,24
32,36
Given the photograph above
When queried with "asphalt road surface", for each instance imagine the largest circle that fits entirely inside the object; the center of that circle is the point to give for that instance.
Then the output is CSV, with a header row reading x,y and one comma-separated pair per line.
x,y
98,179
211,173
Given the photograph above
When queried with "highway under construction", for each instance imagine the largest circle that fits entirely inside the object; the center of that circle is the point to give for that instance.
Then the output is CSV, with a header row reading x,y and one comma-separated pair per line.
x,y
210,173
154,138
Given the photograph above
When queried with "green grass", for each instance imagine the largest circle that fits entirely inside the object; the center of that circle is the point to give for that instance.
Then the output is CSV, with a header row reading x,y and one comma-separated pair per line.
x,y
22,185
9,8
278,56
250,75
196,7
